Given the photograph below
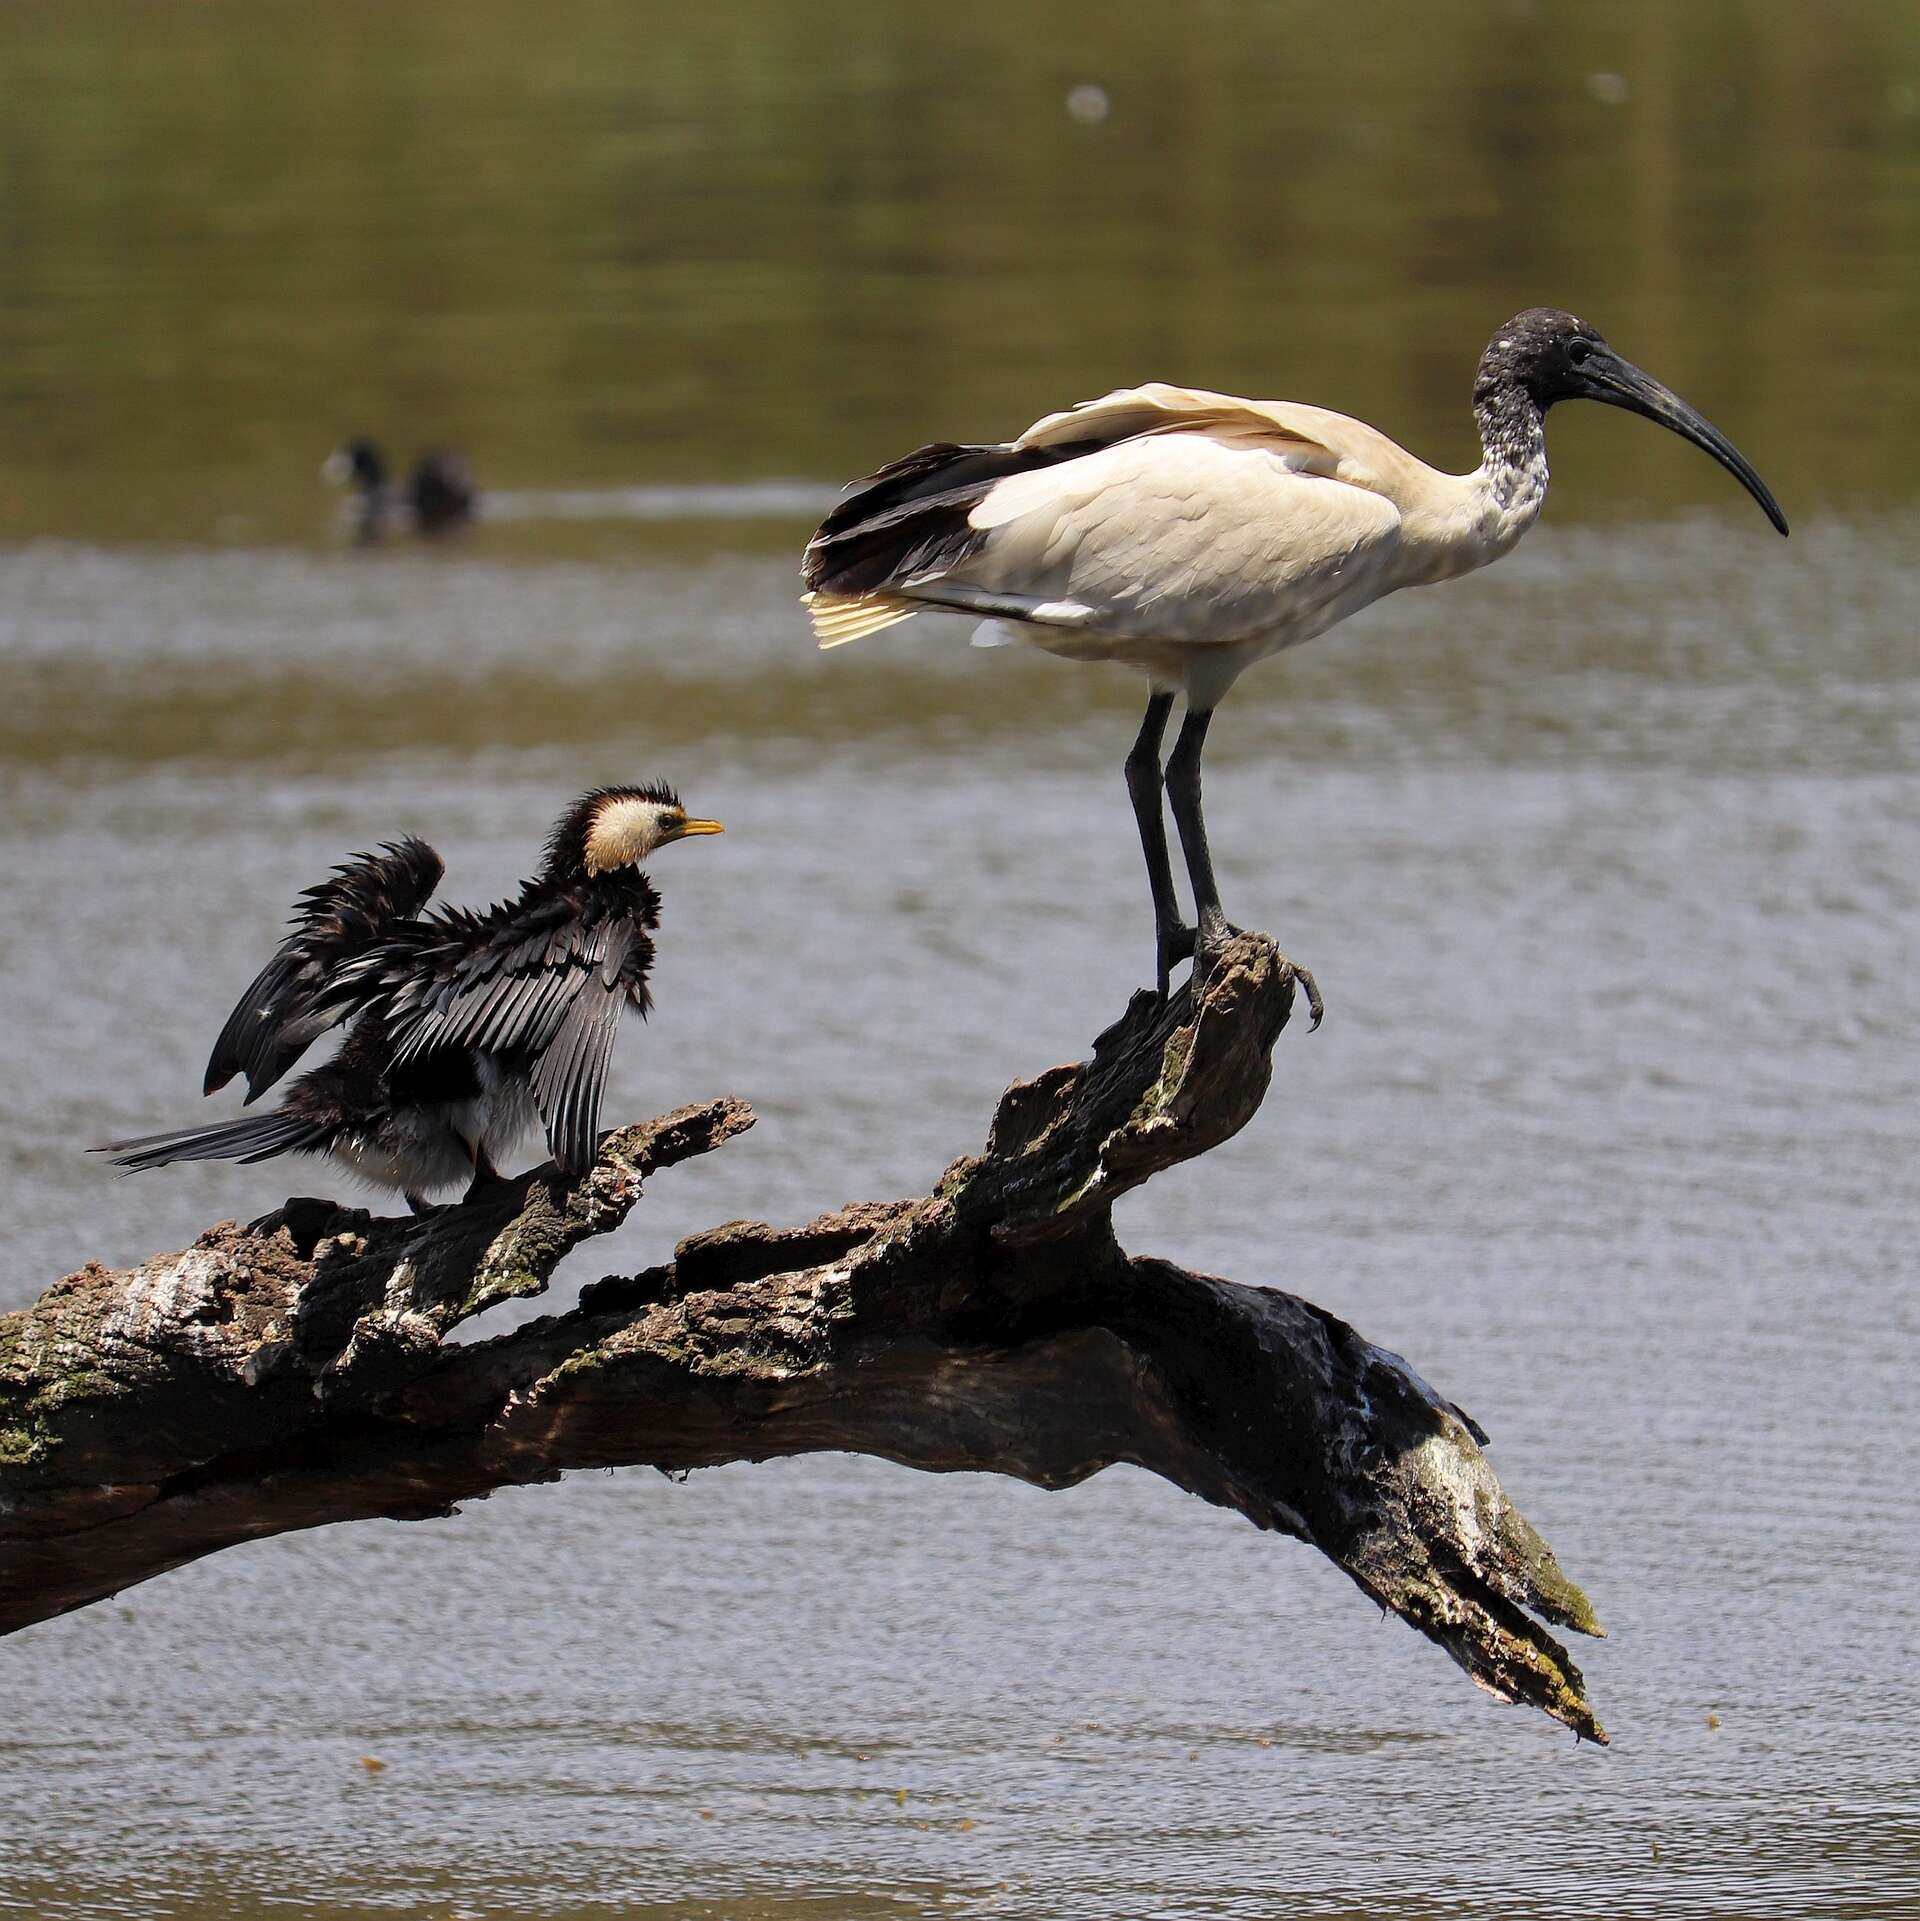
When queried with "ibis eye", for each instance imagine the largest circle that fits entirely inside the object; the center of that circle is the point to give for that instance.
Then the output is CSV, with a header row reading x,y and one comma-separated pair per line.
x,y
1578,351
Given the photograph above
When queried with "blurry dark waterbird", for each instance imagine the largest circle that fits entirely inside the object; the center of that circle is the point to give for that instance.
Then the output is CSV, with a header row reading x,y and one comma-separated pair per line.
x,y
1189,534
467,1026
437,497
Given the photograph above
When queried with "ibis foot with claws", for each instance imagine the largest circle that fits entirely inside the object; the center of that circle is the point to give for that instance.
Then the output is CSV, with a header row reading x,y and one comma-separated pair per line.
x,y
1215,936
1315,1005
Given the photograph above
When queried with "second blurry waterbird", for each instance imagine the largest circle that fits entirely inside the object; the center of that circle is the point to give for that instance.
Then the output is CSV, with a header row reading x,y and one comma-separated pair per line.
x,y
437,497
1188,534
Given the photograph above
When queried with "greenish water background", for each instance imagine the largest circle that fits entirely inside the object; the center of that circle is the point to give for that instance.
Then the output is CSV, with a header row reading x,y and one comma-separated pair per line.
x,y
1606,860
603,244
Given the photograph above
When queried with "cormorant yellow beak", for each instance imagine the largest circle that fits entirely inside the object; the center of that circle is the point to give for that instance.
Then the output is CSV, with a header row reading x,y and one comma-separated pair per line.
x,y
687,827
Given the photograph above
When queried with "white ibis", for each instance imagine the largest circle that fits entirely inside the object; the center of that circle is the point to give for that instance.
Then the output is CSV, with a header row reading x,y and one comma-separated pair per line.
x,y
1188,534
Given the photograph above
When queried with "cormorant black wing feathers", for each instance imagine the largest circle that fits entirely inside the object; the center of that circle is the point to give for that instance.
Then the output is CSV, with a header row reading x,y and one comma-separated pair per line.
x,y
538,985
355,907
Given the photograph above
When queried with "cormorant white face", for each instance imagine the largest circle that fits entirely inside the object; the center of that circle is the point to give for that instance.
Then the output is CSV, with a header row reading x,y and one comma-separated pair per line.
x,y
626,830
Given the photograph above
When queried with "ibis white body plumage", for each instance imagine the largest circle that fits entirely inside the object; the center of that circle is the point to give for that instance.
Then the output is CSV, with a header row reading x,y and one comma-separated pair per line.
x,y
1205,534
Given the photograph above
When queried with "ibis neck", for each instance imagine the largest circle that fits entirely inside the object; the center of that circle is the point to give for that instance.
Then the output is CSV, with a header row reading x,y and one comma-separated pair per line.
x,y
1511,481
1513,445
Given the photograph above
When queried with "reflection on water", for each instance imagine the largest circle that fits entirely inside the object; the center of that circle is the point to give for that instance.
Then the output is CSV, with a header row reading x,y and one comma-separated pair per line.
x,y
784,238
1693,639
1605,860
781,500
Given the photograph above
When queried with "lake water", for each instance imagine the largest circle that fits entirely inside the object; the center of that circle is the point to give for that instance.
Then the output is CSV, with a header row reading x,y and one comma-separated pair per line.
x,y
1605,860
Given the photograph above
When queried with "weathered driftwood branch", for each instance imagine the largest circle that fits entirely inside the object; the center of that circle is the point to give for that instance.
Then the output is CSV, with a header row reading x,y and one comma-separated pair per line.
x,y
295,1372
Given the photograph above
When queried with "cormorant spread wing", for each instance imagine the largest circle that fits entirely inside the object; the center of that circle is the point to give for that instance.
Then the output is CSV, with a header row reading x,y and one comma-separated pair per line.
x,y
538,984
359,904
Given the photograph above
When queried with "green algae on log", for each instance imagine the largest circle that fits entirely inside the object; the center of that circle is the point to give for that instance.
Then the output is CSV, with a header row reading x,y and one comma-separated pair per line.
x,y
296,1372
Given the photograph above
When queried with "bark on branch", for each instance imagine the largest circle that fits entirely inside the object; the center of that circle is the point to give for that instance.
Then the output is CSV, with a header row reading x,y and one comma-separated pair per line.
x,y
296,1372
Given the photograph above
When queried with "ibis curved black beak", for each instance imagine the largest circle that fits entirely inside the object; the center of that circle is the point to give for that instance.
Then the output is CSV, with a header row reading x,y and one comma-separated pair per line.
x,y
1605,376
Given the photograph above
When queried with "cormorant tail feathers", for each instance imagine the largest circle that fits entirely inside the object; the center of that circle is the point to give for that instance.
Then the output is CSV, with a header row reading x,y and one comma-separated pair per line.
x,y
253,1137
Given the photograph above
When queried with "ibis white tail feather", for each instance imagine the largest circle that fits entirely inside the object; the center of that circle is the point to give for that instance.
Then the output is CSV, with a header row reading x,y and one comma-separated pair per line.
x,y
839,618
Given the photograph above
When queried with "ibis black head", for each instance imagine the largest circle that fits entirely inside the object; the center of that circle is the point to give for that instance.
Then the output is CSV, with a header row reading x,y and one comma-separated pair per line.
x,y
615,827
1550,356
359,463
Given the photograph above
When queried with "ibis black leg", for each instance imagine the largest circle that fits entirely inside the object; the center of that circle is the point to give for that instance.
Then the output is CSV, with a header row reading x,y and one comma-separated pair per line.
x,y
1172,941
1183,795
418,1203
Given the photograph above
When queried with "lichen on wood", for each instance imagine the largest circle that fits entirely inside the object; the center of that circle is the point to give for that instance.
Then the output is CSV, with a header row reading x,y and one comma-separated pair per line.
x,y
297,1372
